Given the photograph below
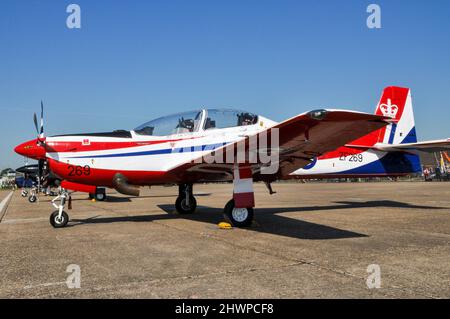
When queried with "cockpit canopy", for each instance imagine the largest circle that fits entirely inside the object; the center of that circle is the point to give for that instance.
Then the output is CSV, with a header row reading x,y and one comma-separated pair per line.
x,y
195,121
172,124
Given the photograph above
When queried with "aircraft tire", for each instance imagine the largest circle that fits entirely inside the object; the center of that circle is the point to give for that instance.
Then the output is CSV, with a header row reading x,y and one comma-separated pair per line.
x,y
32,199
238,217
101,197
181,206
59,223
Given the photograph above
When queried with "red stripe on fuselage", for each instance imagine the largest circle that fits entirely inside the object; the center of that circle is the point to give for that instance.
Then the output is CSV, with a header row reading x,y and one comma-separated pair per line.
x,y
342,152
366,140
79,146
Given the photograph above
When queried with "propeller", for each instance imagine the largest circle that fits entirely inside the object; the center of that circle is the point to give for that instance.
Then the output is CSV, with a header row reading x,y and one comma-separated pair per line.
x,y
41,141
39,130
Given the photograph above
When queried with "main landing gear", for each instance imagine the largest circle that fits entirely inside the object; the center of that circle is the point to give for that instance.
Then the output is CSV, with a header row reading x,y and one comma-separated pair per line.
x,y
99,196
186,202
238,217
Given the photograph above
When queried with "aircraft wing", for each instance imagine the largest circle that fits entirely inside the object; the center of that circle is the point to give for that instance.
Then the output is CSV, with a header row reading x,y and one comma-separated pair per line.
x,y
426,146
301,139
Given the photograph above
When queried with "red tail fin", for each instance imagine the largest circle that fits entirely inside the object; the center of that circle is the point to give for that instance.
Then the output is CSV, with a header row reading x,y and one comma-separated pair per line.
x,y
395,103
392,102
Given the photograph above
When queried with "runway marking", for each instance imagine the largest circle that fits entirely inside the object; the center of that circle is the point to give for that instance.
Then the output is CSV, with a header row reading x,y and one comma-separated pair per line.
x,y
4,205
24,220
48,284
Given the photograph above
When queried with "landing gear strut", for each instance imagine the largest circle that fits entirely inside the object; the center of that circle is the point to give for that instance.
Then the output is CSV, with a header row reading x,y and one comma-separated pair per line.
x,y
239,210
186,202
60,218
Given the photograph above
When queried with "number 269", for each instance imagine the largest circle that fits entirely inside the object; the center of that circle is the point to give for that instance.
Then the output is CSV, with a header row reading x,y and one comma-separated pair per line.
x,y
79,170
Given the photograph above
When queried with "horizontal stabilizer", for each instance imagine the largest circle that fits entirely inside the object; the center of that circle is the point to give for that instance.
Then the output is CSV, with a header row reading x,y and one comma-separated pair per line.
x,y
427,146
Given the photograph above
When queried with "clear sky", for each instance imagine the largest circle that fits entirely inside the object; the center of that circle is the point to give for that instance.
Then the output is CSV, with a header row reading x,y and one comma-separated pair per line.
x,y
135,60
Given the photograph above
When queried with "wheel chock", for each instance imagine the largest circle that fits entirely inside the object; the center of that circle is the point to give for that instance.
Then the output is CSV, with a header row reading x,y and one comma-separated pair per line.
x,y
225,225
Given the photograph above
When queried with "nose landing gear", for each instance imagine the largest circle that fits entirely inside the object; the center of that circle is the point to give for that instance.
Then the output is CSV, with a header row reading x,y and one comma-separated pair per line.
x,y
32,198
60,218
33,194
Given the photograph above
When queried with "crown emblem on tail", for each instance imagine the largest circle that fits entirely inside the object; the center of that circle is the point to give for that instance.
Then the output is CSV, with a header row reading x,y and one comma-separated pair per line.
x,y
389,109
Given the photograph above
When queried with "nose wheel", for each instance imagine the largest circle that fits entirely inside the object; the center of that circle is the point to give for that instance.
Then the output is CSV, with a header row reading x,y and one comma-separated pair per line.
x,y
238,217
32,198
33,195
58,221
59,218
186,202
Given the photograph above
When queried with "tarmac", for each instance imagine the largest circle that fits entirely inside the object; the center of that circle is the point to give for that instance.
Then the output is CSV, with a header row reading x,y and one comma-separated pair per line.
x,y
3,194
311,240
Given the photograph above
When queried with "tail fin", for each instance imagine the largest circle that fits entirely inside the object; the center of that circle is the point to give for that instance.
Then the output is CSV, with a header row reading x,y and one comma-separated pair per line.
x,y
396,103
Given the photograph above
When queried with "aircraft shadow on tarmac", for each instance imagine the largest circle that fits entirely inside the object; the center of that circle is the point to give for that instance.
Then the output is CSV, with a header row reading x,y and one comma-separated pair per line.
x,y
368,204
124,199
267,219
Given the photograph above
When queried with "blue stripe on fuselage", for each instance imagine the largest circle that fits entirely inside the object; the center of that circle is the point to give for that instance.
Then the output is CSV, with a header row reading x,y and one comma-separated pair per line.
x,y
187,149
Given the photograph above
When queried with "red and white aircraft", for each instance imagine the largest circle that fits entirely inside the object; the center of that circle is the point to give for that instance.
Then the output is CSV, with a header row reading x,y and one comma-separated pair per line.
x,y
213,145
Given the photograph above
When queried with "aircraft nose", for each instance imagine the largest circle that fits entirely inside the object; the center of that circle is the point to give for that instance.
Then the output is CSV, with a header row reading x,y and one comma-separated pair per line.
x,y
30,149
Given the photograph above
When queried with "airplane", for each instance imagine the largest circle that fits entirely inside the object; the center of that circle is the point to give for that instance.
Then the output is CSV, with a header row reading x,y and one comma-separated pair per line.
x,y
37,178
217,145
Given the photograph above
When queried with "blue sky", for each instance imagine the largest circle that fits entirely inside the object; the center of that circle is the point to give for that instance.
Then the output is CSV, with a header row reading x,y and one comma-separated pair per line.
x,y
135,60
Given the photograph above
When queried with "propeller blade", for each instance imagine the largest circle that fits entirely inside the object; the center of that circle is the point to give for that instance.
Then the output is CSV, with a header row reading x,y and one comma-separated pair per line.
x,y
35,123
42,120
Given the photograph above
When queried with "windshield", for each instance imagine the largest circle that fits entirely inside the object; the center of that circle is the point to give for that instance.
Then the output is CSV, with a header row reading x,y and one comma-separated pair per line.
x,y
173,124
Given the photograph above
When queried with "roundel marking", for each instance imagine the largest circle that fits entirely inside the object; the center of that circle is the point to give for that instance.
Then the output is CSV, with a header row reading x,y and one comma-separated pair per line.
x,y
312,164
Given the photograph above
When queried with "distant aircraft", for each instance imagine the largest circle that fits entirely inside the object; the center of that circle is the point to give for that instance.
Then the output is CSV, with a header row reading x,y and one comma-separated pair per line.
x,y
37,178
178,149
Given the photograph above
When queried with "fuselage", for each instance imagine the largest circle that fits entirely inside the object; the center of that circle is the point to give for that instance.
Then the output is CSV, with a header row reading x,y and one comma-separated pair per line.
x,y
147,159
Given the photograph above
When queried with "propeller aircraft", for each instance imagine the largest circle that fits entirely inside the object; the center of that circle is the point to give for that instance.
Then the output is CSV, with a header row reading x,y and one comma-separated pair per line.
x,y
218,145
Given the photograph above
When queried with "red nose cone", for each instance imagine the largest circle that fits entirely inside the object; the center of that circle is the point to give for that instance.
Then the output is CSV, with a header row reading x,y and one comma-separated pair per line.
x,y
31,149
